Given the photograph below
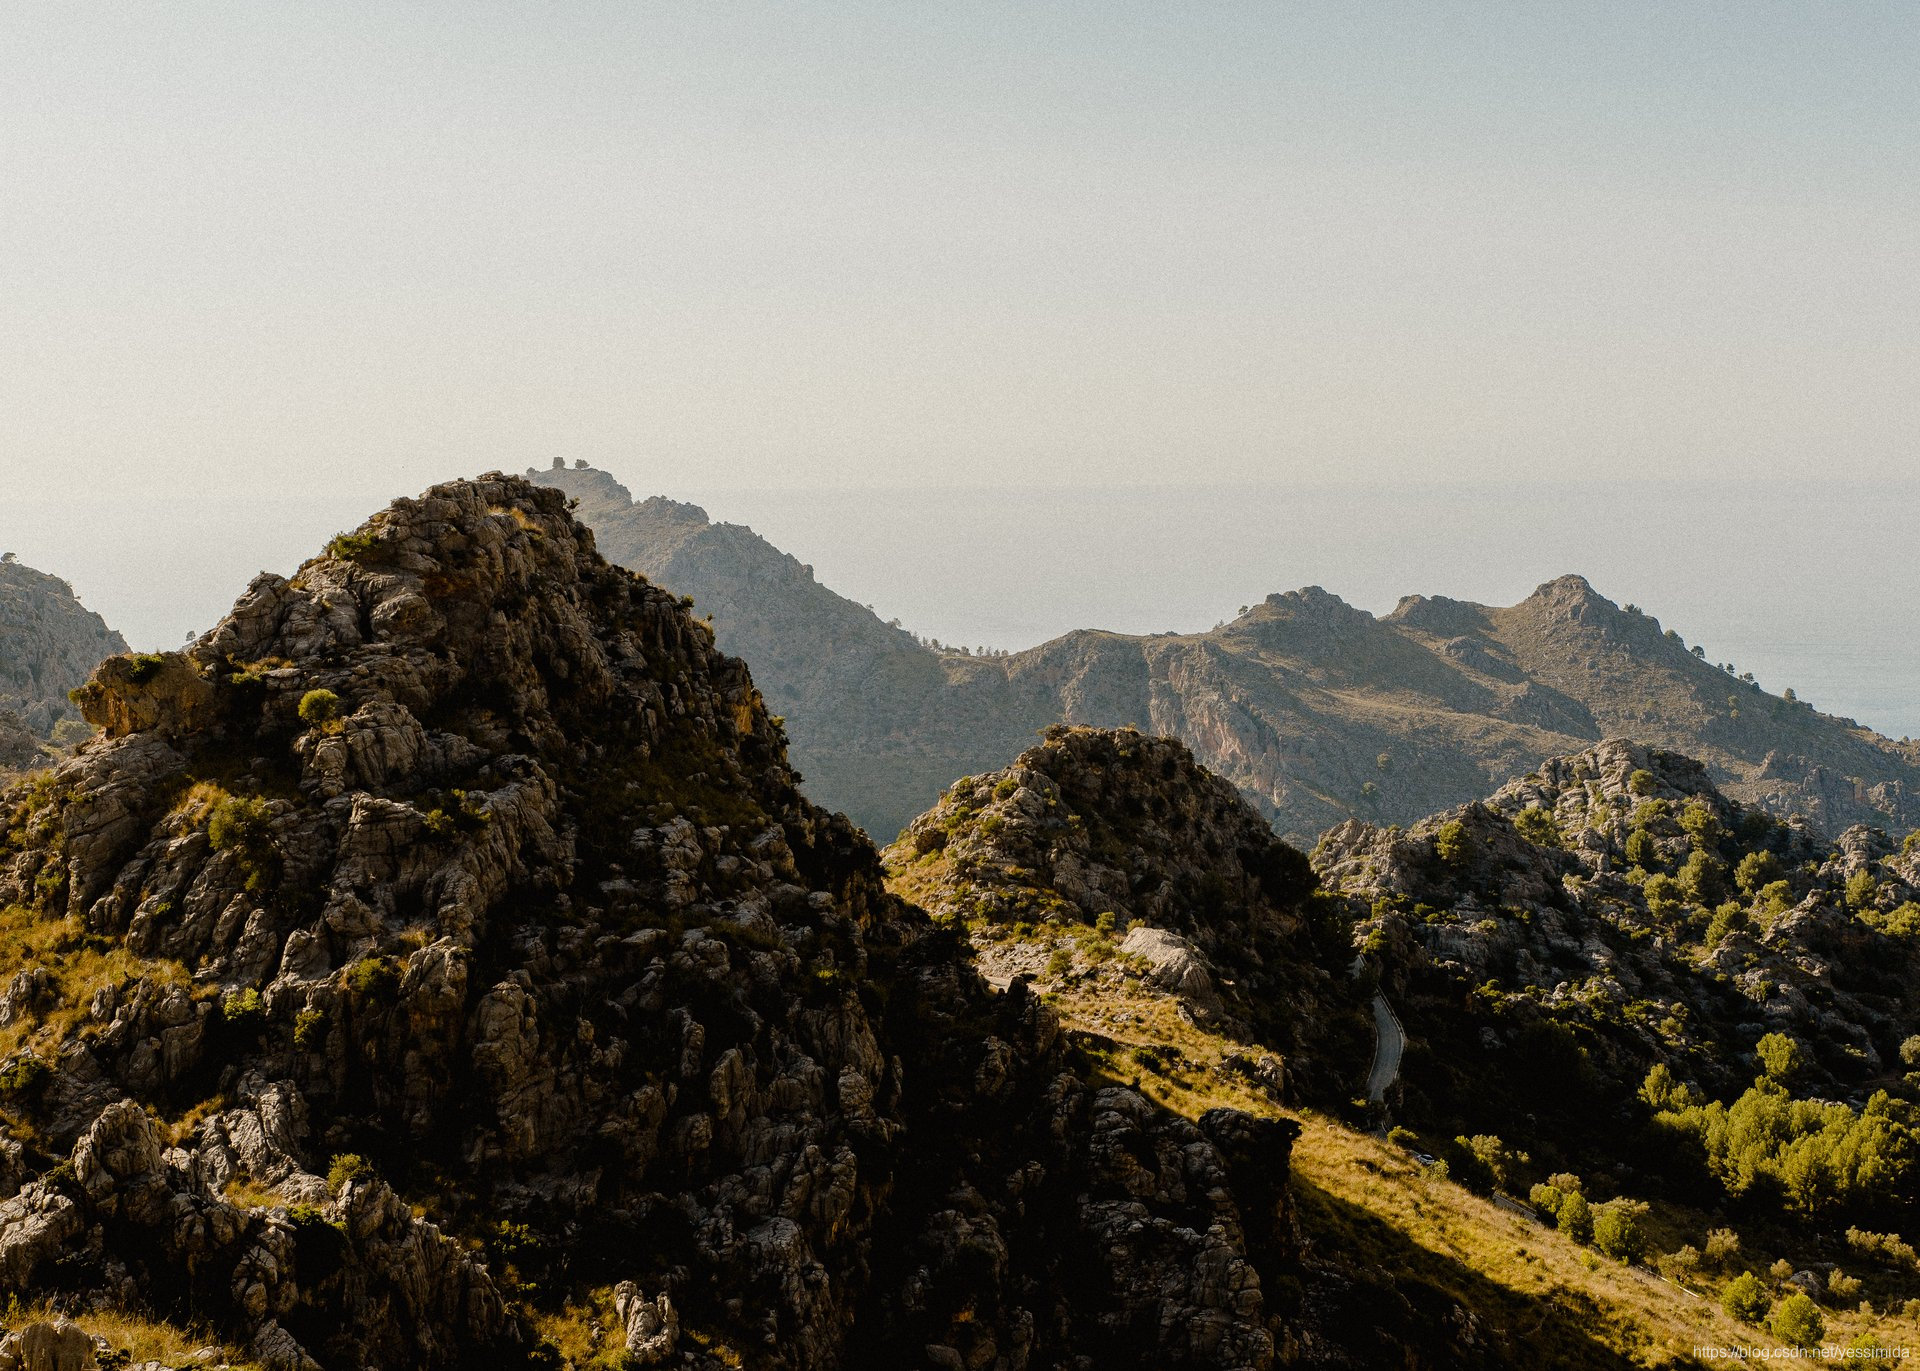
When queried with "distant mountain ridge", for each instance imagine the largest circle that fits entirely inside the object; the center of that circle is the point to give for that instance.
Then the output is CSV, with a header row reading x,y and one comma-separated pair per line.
x,y
1318,711
49,642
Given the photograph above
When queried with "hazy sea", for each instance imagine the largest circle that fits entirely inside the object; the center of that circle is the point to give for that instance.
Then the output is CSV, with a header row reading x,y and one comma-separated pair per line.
x,y
1813,587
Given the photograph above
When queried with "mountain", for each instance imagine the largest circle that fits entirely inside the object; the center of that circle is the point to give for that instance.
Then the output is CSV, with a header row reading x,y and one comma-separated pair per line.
x,y
1614,1015
48,644
1317,711
435,964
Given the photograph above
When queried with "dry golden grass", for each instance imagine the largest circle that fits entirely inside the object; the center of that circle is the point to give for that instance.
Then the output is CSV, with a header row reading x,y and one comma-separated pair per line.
x,y
584,1331
197,801
79,966
1361,1196
249,1193
145,1339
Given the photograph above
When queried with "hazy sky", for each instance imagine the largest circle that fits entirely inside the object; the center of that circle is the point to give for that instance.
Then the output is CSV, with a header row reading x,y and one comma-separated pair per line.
x,y
328,247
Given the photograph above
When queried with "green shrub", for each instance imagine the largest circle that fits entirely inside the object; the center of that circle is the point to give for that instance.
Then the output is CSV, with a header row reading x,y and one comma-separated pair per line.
x,y
1776,898
374,977
1641,782
310,1029
144,666
307,1218
1701,824
1727,920
350,547
1538,826
1818,1155
1484,1161
1901,922
1703,879
1617,1232
1781,1057
1650,812
320,708
1547,1198
1861,889
1660,1087
1723,1245
1746,1299
1663,895
237,822
1642,851
243,1008
348,1166
1797,1322
1575,1218
1451,844
1756,871
23,1075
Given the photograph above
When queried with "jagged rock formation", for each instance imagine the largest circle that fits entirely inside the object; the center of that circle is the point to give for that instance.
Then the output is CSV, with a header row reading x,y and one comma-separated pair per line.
x,y
1123,836
437,960
49,643
1612,911
1317,711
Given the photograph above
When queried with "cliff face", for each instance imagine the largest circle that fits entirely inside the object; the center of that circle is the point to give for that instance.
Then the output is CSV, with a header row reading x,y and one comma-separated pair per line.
x,y
1317,711
49,642
436,962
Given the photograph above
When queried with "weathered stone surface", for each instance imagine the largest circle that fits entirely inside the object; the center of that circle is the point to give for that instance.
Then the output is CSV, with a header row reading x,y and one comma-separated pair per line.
x,y
44,1346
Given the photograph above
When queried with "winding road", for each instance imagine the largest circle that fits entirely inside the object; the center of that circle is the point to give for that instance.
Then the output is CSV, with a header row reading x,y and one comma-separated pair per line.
x,y
1389,1041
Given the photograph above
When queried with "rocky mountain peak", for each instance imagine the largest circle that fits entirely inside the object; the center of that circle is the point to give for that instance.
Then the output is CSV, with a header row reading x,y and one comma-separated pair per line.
x,y
1439,615
1112,832
596,490
435,963
1573,599
1314,604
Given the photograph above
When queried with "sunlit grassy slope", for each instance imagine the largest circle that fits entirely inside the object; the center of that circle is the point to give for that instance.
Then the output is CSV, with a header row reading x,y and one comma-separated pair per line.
x,y
1546,1299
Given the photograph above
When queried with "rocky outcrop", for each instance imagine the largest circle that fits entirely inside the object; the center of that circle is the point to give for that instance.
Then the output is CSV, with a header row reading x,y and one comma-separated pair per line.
x,y
1614,910
1183,886
49,643
1318,712
440,947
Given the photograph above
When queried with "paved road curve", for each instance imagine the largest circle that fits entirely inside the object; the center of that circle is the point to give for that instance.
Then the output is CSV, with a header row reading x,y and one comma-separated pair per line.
x,y
1389,1041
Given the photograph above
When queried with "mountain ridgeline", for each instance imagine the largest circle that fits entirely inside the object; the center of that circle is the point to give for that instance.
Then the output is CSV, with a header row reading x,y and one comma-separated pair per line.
x,y
1317,711
438,964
